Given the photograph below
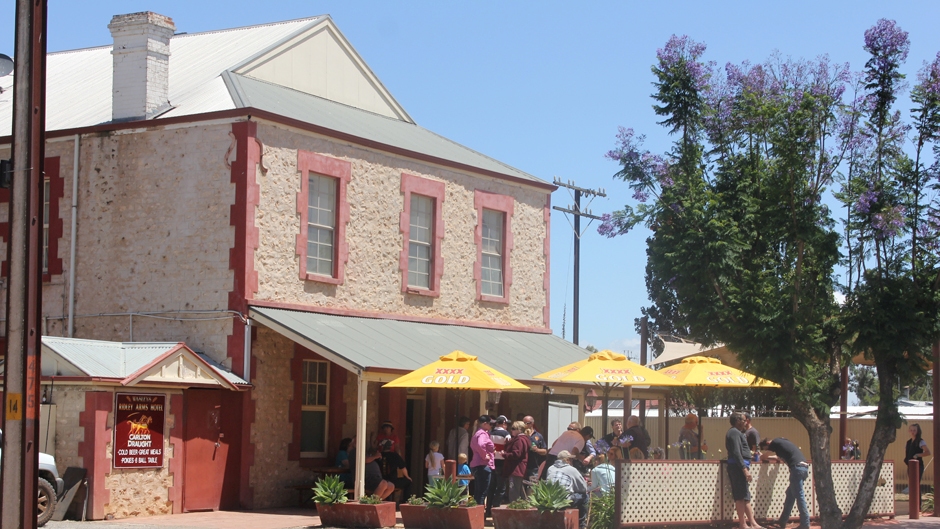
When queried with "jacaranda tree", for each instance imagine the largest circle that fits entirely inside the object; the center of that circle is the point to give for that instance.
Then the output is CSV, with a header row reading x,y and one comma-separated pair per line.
x,y
744,249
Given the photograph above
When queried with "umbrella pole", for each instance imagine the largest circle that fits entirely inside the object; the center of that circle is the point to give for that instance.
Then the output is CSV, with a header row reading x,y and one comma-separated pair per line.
x,y
664,412
605,389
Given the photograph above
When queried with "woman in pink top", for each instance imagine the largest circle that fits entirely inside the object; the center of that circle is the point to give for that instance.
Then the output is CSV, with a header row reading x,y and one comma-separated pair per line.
x,y
482,464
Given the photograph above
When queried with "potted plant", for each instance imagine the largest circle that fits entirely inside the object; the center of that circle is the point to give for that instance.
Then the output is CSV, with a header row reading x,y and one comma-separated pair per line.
x,y
546,509
414,513
329,494
450,507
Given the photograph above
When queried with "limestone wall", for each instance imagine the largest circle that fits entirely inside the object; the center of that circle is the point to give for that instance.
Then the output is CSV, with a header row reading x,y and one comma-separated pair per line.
x,y
154,235
373,278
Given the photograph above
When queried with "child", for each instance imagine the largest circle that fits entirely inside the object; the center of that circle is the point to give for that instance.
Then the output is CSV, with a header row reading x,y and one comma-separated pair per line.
x,y
434,462
463,469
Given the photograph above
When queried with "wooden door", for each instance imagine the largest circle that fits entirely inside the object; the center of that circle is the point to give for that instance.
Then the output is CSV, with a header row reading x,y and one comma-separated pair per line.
x,y
206,450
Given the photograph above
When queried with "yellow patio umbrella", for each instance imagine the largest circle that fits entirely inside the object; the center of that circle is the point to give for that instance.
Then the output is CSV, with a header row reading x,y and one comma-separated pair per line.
x,y
703,371
457,370
608,367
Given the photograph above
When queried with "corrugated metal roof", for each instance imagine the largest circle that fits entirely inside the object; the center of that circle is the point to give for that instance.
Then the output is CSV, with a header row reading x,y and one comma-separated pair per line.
x,y
402,345
79,83
249,92
102,359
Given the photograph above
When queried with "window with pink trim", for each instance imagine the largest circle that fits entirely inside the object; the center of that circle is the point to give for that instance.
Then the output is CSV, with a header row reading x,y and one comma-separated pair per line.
x,y
493,237
422,228
324,213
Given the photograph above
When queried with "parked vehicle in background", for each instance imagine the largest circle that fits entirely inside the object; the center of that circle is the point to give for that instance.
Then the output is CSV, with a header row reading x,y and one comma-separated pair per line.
x,y
50,486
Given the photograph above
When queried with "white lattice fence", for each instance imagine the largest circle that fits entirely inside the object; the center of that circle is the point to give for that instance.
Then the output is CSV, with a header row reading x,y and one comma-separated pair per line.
x,y
653,492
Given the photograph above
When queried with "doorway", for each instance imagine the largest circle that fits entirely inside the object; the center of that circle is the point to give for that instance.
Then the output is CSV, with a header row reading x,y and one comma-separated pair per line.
x,y
416,442
205,449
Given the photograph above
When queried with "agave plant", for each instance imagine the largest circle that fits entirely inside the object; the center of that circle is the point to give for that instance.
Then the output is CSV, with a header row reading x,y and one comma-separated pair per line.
x,y
549,496
415,500
329,490
519,504
444,494
371,499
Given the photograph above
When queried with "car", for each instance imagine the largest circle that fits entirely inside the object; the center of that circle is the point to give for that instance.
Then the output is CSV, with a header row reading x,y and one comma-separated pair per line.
x,y
50,487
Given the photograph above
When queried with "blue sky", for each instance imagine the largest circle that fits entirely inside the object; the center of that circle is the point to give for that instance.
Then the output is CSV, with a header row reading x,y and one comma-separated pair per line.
x,y
542,86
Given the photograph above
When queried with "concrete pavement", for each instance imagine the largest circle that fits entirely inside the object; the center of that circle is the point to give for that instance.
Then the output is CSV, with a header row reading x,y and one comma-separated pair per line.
x,y
302,518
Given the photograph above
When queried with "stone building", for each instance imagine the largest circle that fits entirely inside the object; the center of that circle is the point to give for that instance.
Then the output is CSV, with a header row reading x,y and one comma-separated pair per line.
x,y
258,195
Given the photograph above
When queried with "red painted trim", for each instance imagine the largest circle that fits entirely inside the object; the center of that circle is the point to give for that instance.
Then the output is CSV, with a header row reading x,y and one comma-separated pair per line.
x,y
309,162
175,491
94,449
435,190
398,317
546,251
301,353
248,112
56,191
245,284
504,203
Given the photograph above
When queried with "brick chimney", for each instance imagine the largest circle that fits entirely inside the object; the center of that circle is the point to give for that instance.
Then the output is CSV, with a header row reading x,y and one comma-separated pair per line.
x,y
141,75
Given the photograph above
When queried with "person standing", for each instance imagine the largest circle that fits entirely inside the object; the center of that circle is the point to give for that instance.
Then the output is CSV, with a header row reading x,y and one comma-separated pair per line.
x,y
752,436
434,462
790,454
570,440
538,449
500,436
481,464
689,447
641,438
916,447
562,472
617,438
458,439
516,455
739,474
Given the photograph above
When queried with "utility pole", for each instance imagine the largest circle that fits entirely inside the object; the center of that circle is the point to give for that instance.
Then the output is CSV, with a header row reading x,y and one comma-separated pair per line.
x,y
18,471
577,213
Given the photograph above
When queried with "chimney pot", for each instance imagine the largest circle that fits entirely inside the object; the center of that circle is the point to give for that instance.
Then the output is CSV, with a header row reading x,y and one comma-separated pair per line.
x,y
141,57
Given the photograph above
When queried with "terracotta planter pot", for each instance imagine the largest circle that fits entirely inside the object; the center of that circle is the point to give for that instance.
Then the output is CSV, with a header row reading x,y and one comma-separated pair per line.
x,y
415,516
504,518
457,518
357,514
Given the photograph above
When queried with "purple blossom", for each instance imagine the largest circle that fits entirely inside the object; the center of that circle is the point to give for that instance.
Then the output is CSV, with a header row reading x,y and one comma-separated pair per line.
x,y
885,41
928,78
888,223
612,225
683,52
866,200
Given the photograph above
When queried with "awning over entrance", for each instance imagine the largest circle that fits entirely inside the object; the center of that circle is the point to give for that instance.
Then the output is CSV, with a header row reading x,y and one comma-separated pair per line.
x,y
674,351
134,363
360,344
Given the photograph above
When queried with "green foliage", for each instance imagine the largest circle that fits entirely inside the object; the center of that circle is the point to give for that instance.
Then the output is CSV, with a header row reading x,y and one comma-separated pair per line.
x,y
519,504
603,511
329,490
415,500
444,493
926,502
470,502
371,499
549,496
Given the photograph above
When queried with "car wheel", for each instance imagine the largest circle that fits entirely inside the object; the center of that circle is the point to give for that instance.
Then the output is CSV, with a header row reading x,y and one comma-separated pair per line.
x,y
45,502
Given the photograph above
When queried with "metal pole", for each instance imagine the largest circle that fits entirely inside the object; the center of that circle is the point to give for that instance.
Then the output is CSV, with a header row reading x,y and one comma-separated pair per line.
x,y
577,266
644,343
18,470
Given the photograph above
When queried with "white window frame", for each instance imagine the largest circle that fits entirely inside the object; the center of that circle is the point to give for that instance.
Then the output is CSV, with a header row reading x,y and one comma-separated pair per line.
x,y
416,242
324,407
488,284
315,228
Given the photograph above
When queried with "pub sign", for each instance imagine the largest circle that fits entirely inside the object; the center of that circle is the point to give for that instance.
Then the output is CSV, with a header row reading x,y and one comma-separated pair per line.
x,y
138,430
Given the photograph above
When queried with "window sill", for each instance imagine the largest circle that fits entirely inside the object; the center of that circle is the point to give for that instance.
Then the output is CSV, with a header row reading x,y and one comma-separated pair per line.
x,y
323,279
417,291
493,299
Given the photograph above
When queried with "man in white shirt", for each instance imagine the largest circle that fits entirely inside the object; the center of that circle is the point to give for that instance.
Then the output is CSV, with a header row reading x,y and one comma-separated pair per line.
x,y
570,440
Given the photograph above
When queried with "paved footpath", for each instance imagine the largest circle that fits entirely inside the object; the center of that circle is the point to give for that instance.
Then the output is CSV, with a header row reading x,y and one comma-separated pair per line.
x,y
304,518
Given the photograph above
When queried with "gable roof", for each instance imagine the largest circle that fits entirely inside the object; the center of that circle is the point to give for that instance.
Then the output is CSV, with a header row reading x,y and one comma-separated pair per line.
x,y
133,363
301,69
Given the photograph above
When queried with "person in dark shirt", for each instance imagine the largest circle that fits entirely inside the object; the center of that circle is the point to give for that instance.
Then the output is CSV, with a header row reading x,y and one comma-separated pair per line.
x,y
790,454
739,474
753,437
641,438
395,471
538,449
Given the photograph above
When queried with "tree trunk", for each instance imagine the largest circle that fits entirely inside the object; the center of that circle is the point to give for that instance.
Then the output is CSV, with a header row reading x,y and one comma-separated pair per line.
x,y
819,430
885,433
